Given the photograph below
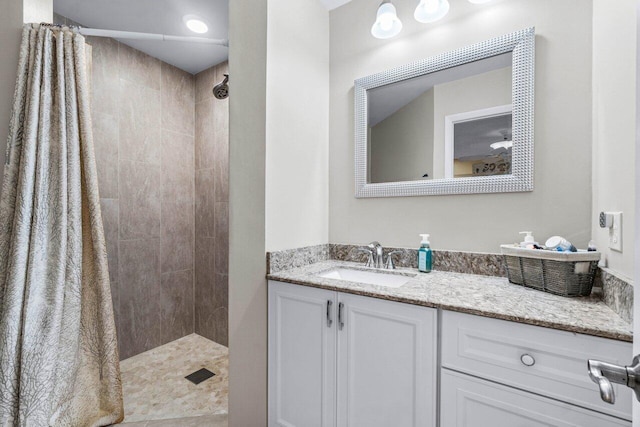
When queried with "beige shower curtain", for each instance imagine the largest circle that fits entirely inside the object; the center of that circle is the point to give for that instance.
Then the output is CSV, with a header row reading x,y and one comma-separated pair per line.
x,y
58,352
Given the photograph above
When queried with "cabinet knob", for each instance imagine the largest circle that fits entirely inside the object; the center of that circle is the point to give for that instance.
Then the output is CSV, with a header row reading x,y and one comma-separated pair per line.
x,y
527,360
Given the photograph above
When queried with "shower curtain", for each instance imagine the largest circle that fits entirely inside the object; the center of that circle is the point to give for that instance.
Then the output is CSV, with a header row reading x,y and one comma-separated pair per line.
x,y
58,353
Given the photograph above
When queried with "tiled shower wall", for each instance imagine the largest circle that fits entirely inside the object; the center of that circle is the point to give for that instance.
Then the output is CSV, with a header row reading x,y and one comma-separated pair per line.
x,y
162,152
143,122
212,207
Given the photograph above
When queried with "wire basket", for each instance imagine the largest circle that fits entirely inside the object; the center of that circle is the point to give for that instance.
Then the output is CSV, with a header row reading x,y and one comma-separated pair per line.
x,y
570,274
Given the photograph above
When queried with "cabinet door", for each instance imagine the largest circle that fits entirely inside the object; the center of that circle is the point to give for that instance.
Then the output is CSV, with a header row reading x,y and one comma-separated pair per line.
x,y
467,401
302,353
386,363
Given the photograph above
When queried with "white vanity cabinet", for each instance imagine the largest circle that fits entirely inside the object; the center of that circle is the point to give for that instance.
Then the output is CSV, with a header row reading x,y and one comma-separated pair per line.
x,y
499,370
342,360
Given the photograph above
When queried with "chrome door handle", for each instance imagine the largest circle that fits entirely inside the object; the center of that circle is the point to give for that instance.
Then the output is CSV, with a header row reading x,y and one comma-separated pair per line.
x,y
340,322
603,374
329,320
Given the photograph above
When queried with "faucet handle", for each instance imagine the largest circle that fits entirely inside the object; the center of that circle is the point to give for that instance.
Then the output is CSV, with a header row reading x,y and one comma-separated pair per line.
x,y
389,264
369,252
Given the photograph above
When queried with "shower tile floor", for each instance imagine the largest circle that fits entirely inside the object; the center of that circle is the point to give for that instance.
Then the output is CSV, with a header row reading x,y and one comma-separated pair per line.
x,y
154,386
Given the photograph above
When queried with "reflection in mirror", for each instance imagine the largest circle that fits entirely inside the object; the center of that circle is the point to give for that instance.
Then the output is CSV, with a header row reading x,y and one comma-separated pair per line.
x,y
442,124
478,143
460,122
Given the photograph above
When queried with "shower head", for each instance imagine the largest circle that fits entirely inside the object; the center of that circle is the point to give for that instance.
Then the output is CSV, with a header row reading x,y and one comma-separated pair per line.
x,y
221,90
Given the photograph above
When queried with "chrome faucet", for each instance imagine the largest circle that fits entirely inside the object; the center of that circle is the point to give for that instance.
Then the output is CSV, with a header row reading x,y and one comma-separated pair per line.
x,y
375,256
378,254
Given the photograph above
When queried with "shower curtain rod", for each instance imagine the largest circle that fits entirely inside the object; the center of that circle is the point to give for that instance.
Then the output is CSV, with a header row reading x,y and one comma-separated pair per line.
x,y
149,36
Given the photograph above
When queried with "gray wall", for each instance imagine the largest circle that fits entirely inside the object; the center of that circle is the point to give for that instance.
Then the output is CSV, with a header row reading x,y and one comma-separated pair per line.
x,y
10,31
247,266
297,124
614,127
212,207
279,112
561,201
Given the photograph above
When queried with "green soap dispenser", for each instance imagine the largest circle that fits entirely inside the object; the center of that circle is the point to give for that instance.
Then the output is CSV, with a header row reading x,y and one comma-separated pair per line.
x,y
425,256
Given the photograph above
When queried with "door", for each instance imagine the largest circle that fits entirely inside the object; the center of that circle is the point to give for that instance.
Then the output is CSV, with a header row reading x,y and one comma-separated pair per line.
x,y
302,352
386,363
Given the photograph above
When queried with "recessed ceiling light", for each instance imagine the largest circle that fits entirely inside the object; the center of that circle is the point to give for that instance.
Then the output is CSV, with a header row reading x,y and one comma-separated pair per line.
x,y
195,24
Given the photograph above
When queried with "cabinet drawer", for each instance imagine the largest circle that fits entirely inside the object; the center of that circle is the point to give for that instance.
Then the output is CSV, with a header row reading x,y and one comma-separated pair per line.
x,y
472,402
541,360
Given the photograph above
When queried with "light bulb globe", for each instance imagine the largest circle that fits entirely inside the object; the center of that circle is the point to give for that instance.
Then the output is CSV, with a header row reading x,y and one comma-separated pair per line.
x,y
431,10
387,24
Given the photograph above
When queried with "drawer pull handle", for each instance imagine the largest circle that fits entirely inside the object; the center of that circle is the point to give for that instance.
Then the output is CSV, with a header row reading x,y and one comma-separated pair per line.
x,y
329,319
527,360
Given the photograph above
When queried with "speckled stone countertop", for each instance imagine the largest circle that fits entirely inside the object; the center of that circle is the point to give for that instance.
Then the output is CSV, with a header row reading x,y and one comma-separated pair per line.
x,y
487,296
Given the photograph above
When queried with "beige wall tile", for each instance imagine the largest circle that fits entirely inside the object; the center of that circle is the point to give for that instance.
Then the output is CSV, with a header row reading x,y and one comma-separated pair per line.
x,y
177,236
110,219
105,138
205,287
177,305
139,123
178,105
139,296
105,75
221,150
205,81
139,200
177,167
205,206
221,291
161,144
221,217
138,67
221,331
204,129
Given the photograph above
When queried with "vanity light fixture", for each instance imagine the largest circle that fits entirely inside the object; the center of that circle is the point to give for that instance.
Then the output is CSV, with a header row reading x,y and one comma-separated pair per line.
x,y
387,23
195,24
431,10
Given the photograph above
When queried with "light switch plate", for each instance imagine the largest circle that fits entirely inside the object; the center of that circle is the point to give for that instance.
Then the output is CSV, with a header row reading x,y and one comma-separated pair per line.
x,y
615,232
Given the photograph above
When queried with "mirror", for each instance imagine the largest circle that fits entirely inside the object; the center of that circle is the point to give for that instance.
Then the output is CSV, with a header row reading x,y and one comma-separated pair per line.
x,y
456,123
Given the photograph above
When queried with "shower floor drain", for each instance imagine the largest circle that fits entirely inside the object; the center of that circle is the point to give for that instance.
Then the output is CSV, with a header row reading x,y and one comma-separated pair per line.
x,y
200,375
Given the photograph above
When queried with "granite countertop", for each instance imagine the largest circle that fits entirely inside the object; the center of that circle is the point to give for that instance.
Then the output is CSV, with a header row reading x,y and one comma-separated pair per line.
x,y
487,296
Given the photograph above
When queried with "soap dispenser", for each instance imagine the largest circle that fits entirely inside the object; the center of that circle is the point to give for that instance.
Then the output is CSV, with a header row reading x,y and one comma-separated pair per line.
x,y
529,242
425,256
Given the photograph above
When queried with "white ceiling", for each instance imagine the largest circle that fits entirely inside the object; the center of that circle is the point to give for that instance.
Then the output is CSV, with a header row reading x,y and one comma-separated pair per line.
x,y
386,100
162,17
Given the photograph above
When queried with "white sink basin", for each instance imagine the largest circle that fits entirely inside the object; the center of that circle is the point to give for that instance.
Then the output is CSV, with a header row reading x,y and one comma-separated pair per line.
x,y
365,276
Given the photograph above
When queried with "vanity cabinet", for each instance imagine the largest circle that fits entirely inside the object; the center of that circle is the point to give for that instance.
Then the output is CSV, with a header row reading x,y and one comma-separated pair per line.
x,y
338,360
342,360
539,361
